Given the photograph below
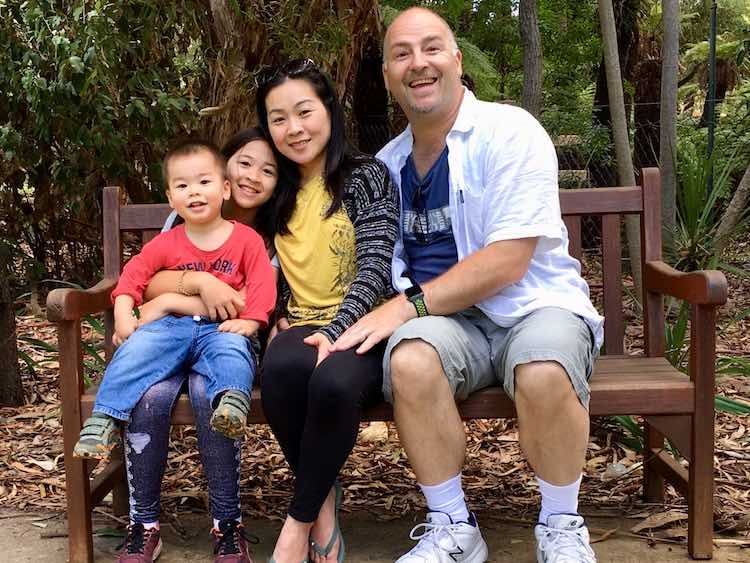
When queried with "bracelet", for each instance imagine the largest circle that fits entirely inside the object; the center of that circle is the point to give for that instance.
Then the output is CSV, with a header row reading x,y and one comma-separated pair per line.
x,y
181,285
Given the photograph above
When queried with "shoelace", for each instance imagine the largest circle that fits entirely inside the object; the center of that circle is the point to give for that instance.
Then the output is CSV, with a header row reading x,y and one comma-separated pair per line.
x,y
136,539
228,536
431,535
567,543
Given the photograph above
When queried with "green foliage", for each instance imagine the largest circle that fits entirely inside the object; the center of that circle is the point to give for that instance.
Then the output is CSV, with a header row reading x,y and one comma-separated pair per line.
x,y
479,66
90,93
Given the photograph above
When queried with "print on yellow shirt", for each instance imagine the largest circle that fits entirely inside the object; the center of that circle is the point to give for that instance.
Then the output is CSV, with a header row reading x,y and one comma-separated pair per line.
x,y
317,257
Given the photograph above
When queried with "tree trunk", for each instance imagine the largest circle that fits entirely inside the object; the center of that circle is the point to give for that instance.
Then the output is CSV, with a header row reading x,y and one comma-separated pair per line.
x,y
244,45
733,214
620,132
370,101
668,119
626,20
11,390
531,44
646,116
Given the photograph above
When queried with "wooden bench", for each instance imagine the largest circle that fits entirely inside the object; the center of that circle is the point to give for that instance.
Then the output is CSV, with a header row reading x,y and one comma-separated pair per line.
x,y
672,404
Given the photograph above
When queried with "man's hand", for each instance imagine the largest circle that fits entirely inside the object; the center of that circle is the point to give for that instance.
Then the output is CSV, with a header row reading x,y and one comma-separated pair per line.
x,y
376,326
245,327
321,342
281,325
124,327
222,301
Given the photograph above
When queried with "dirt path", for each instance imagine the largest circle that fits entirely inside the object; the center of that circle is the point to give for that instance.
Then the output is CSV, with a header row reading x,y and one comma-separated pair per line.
x,y
367,538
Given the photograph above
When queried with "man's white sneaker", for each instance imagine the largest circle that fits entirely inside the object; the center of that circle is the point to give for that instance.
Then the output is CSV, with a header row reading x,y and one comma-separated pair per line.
x,y
564,539
443,541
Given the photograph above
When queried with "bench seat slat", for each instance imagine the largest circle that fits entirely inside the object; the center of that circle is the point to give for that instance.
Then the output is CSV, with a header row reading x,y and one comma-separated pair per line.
x,y
636,385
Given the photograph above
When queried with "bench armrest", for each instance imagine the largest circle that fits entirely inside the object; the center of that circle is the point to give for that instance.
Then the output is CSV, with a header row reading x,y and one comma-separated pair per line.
x,y
702,287
72,304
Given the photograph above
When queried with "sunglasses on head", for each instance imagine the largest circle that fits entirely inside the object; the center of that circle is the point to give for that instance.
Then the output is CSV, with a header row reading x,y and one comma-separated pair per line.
x,y
290,69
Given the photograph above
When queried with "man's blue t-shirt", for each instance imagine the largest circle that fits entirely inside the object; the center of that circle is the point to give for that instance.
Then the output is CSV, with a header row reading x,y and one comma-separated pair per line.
x,y
426,220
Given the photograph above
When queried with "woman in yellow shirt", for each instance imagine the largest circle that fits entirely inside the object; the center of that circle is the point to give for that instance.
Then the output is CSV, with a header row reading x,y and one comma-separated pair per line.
x,y
336,222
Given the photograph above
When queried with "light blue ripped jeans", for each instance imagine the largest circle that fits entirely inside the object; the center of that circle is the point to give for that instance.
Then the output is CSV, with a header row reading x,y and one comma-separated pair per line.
x,y
147,440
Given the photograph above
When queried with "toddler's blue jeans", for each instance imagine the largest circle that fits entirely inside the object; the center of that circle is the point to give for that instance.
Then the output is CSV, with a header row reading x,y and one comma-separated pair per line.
x,y
172,345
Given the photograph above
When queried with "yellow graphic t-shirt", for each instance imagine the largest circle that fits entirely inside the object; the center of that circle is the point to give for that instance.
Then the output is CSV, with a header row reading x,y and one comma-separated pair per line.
x,y
317,257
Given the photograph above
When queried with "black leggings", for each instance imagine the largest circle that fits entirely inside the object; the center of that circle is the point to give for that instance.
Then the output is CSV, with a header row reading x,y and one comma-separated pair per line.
x,y
314,412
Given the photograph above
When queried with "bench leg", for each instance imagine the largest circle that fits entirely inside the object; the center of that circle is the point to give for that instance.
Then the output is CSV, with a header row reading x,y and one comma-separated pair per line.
x,y
120,494
77,493
701,492
701,486
653,481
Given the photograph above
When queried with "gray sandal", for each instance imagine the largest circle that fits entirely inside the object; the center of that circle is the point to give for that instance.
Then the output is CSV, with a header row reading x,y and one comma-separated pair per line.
x,y
336,535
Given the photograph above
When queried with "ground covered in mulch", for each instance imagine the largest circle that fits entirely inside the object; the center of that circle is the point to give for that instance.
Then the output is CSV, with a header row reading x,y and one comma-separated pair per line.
x,y
377,477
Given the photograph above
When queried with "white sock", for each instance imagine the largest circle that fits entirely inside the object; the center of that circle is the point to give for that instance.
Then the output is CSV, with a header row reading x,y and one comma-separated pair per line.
x,y
216,522
447,497
558,499
151,525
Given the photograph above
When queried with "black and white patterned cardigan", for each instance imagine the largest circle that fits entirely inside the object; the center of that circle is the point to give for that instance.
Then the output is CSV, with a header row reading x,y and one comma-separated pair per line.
x,y
371,202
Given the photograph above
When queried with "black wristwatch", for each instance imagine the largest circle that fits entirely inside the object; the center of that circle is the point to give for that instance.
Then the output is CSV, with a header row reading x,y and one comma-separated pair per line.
x,y
416,296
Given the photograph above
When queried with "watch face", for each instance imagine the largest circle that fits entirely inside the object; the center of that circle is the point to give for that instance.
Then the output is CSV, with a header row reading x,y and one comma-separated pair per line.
x,y
413,291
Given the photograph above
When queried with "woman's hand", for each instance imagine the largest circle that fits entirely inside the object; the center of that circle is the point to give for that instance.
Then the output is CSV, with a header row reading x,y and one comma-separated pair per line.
x,y
321,342
153,310
222,302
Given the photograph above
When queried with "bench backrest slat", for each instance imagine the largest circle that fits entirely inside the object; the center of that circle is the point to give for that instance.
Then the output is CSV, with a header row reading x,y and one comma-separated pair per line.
x,y
607,203
614,326
573,224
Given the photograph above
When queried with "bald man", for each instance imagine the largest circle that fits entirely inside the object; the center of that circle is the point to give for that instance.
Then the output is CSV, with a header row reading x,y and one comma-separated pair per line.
x,y
489,296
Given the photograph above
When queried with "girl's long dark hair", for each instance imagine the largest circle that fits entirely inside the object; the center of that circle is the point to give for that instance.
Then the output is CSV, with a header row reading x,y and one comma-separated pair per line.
x,y
338,152
264,216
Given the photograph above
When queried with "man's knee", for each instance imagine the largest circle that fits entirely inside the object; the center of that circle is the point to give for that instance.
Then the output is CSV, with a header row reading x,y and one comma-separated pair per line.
x,y
542,383
416,371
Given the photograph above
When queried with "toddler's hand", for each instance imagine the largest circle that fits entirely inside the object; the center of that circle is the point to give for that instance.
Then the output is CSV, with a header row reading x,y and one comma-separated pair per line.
x,y
124,327
239,326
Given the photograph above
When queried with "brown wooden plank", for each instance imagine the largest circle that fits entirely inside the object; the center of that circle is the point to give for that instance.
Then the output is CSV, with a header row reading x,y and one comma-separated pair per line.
x,y
614,325
600,201
68,304
111,226
701,487
638,364
105,481
653,479
706,287
573,225
112,248
653,309
677,429
675,473
138,217
634,391
80,545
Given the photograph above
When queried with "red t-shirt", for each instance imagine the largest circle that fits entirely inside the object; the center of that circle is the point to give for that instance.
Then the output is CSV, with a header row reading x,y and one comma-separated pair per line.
x,y
240,262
